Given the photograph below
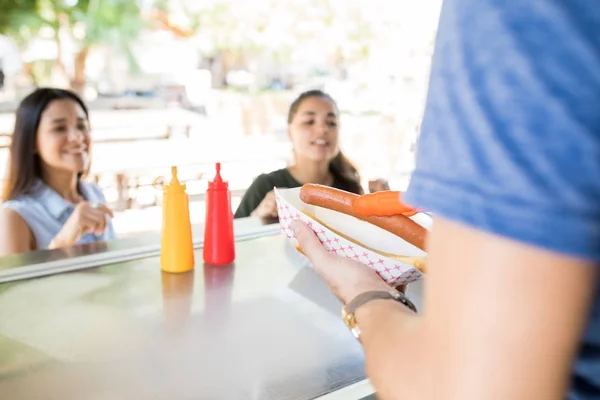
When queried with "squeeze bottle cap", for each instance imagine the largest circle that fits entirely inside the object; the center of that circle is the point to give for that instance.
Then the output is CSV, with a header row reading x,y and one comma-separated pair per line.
x,y
217,183
175,184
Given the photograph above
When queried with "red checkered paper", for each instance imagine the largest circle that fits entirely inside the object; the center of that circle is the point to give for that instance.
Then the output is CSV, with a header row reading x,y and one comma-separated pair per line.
x,y
374,239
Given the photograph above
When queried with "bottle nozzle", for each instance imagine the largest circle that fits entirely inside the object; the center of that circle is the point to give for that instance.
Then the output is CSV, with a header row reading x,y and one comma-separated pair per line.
x,y
217,183
218,174
174,178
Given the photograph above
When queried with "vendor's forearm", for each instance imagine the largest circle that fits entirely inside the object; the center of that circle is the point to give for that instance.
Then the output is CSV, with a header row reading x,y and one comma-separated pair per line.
x,y
387,329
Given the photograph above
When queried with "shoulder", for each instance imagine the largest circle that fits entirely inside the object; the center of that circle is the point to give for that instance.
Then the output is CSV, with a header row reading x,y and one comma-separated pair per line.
x,y
13,204
10,215
278,178
25,212
15,229
510,145
260,186
24,206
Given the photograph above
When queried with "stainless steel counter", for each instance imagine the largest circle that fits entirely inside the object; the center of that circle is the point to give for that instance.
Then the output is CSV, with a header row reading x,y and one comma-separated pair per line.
x,y
265,327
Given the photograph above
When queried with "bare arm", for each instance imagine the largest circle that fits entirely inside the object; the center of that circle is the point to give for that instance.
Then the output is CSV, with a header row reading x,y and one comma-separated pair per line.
x,y
502,321
15,235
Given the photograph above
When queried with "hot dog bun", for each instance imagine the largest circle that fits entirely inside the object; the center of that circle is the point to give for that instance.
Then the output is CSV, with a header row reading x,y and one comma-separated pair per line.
x,y
419,263
341,201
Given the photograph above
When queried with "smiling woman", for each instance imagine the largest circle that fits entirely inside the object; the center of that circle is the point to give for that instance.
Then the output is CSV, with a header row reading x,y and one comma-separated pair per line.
x,y
46,202
313,129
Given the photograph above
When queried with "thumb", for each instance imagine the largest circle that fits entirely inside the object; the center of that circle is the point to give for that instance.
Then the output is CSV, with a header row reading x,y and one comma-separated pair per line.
x,y
309,242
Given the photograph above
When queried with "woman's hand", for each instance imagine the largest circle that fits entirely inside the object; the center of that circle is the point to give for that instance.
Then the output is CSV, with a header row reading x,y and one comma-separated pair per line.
x,y
86,218
267,207
346,278
378,185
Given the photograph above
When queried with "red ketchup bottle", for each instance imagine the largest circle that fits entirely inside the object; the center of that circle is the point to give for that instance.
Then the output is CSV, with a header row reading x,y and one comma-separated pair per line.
x,y
219,240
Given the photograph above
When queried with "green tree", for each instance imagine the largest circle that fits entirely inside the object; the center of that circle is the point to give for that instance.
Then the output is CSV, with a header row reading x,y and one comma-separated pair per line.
x,y
108,22
239,30
89,23
23,20
16,13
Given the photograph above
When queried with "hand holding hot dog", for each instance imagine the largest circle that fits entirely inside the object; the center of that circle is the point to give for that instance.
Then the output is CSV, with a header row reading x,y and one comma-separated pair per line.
x,y
346,278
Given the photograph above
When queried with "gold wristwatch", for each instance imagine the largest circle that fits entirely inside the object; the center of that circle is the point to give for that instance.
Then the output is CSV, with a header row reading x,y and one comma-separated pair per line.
x,y
350,308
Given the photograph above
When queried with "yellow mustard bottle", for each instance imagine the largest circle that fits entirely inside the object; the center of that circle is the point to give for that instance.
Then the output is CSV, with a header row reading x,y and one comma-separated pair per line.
x,y
176,247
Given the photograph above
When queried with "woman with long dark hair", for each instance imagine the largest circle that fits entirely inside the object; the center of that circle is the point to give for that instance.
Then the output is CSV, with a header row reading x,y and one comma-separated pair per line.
x,y
46,202
313,128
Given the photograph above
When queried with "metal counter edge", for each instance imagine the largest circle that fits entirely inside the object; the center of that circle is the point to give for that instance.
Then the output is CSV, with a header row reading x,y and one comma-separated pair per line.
x,y
109,257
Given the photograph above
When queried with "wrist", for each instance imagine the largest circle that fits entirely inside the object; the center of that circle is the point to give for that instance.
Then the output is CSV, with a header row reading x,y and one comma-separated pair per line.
x,y
57,242
374,307
54,244
361,288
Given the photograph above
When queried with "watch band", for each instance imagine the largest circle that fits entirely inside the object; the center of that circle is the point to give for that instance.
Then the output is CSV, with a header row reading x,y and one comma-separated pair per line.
x,y
376,295
350,308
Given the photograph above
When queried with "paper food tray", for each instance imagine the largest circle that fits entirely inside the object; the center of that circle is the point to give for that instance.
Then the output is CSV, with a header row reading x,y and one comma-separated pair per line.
x,y
341,234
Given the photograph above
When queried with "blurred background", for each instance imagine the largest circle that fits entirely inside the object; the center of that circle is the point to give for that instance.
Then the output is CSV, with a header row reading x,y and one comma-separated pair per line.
x,y
192,82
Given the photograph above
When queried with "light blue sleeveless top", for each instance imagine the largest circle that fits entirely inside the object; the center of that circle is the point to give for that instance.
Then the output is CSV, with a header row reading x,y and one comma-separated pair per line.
x,y
45,211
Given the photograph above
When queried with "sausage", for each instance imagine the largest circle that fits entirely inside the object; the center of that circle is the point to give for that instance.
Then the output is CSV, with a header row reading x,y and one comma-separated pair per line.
x,y
341,201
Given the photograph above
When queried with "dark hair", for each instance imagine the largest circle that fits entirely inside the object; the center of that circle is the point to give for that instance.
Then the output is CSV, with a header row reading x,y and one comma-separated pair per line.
x,y
24,165
341,168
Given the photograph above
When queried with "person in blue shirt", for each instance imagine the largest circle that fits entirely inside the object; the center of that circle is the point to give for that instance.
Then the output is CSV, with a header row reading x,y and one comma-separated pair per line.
x,y
508,161
47,204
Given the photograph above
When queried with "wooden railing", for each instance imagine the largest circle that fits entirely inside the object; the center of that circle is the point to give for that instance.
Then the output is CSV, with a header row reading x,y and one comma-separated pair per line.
x,y
135,189
132,188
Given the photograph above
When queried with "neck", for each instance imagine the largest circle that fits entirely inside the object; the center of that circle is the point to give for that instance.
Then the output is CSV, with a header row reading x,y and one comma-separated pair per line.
x,y
63,183
312,172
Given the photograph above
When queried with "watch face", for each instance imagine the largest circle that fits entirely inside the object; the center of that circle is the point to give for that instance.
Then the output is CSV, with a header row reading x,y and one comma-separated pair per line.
x,y
348,311
350,321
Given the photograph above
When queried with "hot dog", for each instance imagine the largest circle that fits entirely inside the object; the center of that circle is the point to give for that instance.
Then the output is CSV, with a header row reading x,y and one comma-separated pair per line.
x,y
341,201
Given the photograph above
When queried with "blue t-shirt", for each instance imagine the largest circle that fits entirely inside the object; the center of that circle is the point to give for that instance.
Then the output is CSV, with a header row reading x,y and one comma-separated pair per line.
x,y
510,141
